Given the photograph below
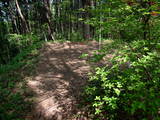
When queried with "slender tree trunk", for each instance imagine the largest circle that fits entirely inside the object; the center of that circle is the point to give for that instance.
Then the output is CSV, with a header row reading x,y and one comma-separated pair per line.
x,y
13,18
26,29
15,26
86,27
49,16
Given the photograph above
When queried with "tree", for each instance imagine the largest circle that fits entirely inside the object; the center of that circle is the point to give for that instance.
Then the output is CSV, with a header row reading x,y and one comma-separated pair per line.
x,y
24,23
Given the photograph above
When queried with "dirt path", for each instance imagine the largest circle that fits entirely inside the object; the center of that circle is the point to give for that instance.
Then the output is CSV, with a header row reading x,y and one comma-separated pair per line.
x,y
60,76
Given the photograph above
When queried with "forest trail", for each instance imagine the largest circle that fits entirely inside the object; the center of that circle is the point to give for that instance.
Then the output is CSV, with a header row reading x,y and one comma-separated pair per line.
x,y
60,76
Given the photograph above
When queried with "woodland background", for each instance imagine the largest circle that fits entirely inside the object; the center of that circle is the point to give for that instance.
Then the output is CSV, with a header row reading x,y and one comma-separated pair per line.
x,y
133,26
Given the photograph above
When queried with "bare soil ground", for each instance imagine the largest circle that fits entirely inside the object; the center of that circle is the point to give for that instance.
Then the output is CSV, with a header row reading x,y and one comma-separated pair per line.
x,y
59,79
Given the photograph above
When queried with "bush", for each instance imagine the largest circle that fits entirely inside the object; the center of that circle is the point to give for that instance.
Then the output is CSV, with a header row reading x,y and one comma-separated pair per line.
x,y
21,41
129,88
14,44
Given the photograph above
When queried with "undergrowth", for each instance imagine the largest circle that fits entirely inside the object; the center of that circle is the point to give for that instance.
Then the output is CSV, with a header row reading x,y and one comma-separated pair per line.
x,y
13,103
128,87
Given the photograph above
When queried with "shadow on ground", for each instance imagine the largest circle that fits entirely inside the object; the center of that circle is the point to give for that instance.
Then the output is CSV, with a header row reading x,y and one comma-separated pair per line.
x,y
57,84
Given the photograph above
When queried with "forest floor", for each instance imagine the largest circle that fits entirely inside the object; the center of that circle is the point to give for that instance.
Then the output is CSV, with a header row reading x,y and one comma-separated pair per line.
x,y
60,75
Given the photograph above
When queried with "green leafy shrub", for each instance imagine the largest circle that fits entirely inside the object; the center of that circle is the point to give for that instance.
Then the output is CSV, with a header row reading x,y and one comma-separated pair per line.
x,y
14,44
76,36
21,41
129,88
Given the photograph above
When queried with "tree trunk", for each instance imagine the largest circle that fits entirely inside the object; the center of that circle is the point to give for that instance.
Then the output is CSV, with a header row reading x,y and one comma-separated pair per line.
x,y
86,27
49,16
26,29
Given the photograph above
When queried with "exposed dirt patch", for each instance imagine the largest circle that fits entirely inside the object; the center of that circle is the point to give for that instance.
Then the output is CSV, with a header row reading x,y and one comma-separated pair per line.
x,y
60,76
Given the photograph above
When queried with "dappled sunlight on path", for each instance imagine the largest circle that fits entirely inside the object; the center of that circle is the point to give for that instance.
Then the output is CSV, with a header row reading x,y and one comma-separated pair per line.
x,y
60,76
